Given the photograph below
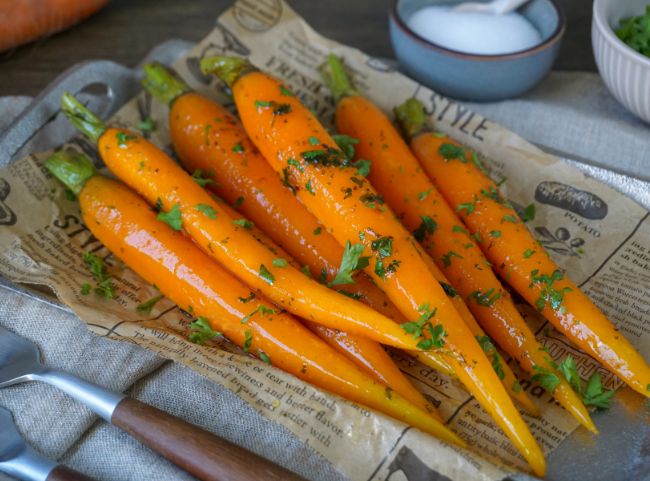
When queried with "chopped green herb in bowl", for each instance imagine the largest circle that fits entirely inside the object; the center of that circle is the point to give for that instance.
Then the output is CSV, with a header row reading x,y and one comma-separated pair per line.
x,y
635,32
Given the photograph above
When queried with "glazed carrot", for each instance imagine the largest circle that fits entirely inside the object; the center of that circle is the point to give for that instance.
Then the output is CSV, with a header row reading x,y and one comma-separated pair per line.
x,y
287,133
397,175
126,225
185,205
368,355
22,21
520,260
238,169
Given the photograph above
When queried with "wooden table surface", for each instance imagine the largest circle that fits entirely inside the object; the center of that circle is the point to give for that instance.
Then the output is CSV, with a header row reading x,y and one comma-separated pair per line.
x,y
127,29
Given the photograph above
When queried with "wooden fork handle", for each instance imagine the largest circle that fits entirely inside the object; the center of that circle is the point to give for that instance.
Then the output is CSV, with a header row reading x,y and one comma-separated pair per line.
x,y
198,452
61,473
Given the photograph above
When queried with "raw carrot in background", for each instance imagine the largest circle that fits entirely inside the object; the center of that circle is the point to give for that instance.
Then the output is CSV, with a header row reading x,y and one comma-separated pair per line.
x,y
184,204
399,178
518,258
243,177
125,224
22,21
288,135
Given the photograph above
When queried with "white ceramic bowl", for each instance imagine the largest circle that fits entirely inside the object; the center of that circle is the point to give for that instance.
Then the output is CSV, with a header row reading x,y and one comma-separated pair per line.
x,y
625,71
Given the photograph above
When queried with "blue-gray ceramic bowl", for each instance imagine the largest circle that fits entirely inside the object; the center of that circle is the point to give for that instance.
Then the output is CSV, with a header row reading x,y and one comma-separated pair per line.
x,y
477,77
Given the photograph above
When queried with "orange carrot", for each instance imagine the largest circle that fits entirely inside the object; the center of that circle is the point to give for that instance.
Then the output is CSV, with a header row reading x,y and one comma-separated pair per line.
x,y
287,133
22,21
185,205
521,261
397,175
126,225
238,171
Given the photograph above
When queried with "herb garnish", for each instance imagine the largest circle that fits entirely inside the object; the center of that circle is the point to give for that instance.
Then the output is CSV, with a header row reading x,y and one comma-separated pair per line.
x,y
424,195
529,213
468,207
495,233
248,340
148,305
239,201
262,309
264,357
446,258
351,261
172,218
593,393
104,286
452,151
488,347
279,262
510,218
423,325
427,227
238,148
328,157
147,125
449,289
198,177
549,293
634,32
296,164
202,331
486,299
346,144
318,230
286,92
309,187
362,166
245,223
371,200
123,138
382,246
266,275
244,300
528,253
206,210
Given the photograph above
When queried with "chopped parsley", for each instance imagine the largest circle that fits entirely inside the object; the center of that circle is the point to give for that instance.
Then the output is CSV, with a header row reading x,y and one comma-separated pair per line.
x,y
328,157
488,347
486,299
313,141
528,253
266,275
510,218
245,223
264,357
206,210
296,164
248,340
244,300
148,305
309,187
495,233
362,166
549,293
262,309
423,325
381,270
459,229
424,195
239,201
279,262
351,261
198,177
546,378
494,194
172,218
383,246
427,227
85,289
318,230
123,138
529,213
371,200
468,207
238,148
634,32
452,151
278,109
446,258
593,393
449,289
202,331
286,92
346,144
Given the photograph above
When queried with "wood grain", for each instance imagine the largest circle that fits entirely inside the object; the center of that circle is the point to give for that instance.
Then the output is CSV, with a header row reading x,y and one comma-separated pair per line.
x,y
200,453
61,473
126,30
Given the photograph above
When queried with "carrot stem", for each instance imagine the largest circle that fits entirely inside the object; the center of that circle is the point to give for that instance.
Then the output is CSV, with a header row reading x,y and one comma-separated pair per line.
x,y
411,118
336,78
71,168
163,84
83,119
228,69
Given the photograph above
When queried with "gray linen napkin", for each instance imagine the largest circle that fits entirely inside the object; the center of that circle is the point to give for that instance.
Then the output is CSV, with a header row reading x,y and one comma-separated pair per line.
x,y
571,112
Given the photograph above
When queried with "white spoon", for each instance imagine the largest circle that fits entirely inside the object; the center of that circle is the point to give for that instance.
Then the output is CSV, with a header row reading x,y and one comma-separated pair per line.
x,y
495,7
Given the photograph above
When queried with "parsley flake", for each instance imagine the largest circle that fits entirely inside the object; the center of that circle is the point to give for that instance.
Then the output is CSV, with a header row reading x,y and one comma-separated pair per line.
x,y
202,331
427,227
245,223
266,275
279,262
172,218
351,261
148,305
197,176
206,210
